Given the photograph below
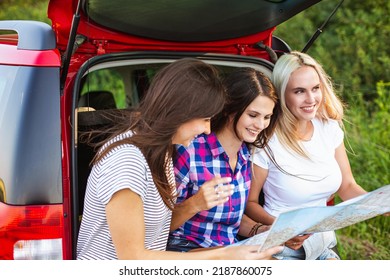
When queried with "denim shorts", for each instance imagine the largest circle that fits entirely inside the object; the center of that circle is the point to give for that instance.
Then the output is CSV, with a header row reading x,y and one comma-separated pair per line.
x,y
291,254
328,254
181,245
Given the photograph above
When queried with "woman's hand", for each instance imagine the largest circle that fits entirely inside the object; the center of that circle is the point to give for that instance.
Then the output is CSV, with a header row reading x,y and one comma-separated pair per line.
x,y
246,252
213,192
296,242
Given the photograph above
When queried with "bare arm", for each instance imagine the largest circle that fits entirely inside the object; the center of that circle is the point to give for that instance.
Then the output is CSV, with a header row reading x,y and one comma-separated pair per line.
x,y
128,238
349,188
257,212
247,224
253,209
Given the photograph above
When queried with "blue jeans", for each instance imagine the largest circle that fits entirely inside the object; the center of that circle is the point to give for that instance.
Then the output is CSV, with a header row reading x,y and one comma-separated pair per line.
x,y
180,245
291,254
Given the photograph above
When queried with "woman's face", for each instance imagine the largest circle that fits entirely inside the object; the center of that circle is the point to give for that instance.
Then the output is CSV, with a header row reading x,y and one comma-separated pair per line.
x,y
303,93
189,130
255,118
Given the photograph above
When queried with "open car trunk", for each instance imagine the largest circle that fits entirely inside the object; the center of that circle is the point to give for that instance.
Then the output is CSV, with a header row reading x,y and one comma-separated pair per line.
x,y
192,21
125,23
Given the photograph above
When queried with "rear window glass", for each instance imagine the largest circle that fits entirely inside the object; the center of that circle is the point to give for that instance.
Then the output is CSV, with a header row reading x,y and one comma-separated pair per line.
x,y
174,20
121,87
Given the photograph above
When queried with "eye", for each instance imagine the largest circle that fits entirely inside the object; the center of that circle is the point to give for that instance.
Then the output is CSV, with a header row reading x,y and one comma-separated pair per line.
x,y
316,88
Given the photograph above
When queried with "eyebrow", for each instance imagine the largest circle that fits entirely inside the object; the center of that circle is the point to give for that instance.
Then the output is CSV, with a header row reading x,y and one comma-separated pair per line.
x,y
302,88
258,113
298,88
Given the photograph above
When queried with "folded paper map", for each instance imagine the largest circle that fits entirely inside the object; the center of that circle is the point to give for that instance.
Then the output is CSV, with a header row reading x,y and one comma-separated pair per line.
x,y
322,218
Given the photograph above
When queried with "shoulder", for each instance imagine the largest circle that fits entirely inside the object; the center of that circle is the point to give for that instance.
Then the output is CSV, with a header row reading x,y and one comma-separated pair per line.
x,y
259,157
326,124
329,129
125,154
201,142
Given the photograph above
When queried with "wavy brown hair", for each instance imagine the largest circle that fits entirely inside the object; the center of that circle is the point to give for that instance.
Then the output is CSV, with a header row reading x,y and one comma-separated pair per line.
x,y
184,90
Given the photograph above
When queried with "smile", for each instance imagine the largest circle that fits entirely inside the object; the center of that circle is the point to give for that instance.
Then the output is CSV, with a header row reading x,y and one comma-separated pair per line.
x,y
255,132
308,109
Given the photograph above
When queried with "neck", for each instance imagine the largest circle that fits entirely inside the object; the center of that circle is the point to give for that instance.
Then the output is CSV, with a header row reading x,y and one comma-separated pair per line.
x,y
231,145
305,130
229,141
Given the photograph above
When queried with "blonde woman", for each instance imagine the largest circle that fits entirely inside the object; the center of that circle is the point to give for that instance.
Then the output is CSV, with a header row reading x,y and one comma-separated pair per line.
x,y
305,161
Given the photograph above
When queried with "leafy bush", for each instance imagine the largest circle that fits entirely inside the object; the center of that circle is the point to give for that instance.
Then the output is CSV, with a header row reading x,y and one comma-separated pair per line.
x,y
369,134
24,9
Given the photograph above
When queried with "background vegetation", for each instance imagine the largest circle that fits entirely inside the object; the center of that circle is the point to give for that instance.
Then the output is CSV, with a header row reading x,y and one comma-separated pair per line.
x,y
354,51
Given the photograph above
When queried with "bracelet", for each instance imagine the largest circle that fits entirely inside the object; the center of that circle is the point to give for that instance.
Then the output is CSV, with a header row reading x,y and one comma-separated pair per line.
x,y
254,229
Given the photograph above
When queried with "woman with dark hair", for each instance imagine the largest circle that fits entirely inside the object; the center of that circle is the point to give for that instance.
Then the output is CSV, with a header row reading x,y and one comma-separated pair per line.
x,y
208,216
131,189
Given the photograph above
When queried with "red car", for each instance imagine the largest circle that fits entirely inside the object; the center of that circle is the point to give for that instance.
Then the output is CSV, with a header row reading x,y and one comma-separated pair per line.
x,y
55,81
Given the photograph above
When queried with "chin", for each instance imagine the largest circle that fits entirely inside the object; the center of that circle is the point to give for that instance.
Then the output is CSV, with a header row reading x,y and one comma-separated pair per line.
x,y
308,117
186,143
250,139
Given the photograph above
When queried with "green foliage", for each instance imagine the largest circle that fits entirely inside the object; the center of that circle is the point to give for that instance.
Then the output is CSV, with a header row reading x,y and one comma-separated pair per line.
x,y
24,9
110,80
368,134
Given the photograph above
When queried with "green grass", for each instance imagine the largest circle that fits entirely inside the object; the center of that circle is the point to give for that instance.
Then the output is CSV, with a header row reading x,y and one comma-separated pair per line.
x,y
368,134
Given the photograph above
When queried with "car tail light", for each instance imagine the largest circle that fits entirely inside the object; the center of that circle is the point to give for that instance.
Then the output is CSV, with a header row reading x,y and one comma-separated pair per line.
x,y
44,249
31,232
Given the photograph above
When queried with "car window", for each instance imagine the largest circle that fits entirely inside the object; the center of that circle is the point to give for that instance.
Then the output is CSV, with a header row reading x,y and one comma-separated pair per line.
x,y
120,87
105,81
30,150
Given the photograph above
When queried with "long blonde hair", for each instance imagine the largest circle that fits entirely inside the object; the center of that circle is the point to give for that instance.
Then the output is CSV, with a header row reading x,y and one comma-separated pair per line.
x,y
331,106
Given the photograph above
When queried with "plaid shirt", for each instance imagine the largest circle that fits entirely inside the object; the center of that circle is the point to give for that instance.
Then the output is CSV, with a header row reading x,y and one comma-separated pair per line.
x,y
198,163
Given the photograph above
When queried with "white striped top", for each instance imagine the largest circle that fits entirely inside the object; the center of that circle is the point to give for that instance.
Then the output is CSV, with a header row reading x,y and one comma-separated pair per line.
x,y
123,167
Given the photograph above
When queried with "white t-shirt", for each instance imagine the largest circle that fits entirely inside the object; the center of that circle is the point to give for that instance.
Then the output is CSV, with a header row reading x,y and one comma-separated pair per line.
x,y
284,192
123,167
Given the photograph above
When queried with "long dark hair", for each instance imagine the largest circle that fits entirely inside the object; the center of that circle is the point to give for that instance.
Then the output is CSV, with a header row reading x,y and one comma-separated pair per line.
x,y
182,91
242,87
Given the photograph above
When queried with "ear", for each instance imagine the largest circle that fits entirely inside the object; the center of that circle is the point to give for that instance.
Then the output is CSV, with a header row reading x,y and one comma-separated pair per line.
x,y
230,119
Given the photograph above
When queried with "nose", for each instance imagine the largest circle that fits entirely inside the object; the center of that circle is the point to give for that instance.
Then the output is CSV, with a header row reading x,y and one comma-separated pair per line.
x,y
310,97
261,124
207,128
